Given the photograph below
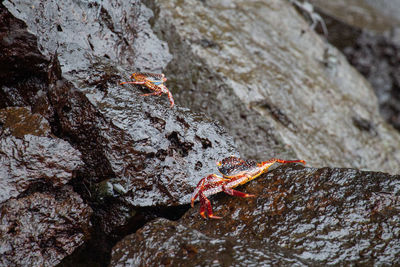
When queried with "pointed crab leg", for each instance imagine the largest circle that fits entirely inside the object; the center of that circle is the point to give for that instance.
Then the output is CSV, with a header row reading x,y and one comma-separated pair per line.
x,y
283,161
171,99
205,183
210,182
155,93
205,203
235,193
143,82
196,191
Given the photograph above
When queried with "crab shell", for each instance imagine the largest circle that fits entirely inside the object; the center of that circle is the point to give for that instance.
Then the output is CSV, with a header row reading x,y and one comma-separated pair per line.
x,y
232,166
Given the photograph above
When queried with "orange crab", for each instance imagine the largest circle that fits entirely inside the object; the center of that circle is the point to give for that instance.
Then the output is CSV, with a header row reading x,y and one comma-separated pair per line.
x,y
235,172
154,82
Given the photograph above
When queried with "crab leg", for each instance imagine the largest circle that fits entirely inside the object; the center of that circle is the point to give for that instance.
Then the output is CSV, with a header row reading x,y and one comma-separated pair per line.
x,y
143,82
196,191
171,99
283,161
205,203
155,93
211,179
235,193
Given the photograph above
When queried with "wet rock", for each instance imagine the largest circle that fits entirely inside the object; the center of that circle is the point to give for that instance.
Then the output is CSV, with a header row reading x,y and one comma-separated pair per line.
x,y
153,153
278,88
138,152
87,34
168,243
32,159
42,228
19,121
147,152
42,221
301,216
27,157
21,63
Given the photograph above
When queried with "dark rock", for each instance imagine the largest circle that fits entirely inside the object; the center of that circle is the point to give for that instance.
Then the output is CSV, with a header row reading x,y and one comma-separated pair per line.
x,y
150,151
168,243
42,228
21,63
19,121
32,159
300,216
27,157
42,221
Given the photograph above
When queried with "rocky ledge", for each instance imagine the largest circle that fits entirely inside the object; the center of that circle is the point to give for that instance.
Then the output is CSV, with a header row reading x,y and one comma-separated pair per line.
x,y
299,217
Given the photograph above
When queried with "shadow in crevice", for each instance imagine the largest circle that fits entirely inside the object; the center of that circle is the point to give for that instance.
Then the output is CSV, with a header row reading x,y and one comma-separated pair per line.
x,y
96,252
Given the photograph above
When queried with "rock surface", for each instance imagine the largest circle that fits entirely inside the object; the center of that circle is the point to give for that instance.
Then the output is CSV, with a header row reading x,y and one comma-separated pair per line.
x,y
301,216
144,152
42,228
31,159
41,220
377,57
375,54
278,87
275,86
100,35
29,156
377,16
155,153
168,243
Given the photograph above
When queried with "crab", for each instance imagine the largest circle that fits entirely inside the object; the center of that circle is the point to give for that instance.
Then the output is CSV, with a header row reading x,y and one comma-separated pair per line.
x,y
154,82
234,172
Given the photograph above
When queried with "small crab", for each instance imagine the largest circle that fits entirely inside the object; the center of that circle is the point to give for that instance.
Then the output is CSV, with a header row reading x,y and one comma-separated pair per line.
x,y
154,82
235,172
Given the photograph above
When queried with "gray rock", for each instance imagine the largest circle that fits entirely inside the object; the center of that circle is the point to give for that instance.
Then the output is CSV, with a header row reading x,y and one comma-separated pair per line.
x,y
377,16
86,34
275,85
375,55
